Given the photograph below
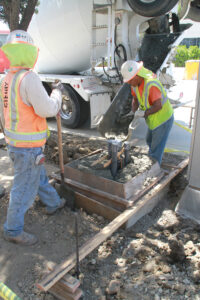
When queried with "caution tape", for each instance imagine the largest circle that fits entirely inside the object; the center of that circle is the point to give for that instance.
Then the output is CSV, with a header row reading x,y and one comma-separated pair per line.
x,y
184,127
176,150
168,150
6,293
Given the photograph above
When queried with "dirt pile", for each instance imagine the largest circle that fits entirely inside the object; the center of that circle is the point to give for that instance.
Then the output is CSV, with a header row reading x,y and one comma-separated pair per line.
x,y
159,258
74,147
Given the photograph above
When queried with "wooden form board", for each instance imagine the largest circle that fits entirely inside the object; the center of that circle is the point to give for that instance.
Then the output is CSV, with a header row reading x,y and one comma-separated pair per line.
x,y
95,207
68,282
122,190
62,294
63,268
107,200
90,192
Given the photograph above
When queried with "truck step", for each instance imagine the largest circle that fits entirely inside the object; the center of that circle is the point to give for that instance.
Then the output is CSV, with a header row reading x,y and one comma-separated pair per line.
x,y
97,7
100,27
98,44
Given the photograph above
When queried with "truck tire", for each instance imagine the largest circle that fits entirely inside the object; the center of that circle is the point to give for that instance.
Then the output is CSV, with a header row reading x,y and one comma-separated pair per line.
x,y
74,110
151,8
194,14
183,8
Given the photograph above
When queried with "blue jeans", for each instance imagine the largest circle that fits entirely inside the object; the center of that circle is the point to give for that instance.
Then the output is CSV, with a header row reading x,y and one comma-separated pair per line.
x,y
29,180
156,139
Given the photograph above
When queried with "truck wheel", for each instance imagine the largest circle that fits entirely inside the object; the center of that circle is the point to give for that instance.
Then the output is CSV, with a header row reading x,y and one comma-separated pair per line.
x,y
74,110
151,8
194,14
183,8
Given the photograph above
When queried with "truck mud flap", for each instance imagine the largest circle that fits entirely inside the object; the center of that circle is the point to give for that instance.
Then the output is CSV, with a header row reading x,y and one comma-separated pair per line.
x,y
115,123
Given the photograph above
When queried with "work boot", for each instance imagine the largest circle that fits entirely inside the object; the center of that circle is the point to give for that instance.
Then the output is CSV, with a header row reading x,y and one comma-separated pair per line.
x,y
24,238
51,210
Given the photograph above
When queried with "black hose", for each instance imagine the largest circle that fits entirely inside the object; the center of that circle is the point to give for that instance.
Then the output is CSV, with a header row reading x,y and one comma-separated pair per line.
x,y
108,76
116,51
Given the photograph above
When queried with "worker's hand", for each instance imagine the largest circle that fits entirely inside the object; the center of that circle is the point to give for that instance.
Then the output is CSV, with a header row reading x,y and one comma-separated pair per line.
x,y
57,85
139,114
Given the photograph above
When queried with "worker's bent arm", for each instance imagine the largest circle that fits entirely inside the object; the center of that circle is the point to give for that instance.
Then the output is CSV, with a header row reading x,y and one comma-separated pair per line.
x,y
135,104
157,105
34,94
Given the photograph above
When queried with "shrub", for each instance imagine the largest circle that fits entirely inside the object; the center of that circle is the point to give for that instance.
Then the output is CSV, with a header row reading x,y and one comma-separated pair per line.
x,y
194,52
183,54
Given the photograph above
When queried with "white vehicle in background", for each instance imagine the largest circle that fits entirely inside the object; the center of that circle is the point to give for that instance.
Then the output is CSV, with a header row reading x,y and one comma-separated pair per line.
x,y
84,43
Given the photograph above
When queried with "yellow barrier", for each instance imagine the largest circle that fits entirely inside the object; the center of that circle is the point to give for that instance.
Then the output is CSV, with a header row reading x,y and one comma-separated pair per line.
x,y
6,293
191,69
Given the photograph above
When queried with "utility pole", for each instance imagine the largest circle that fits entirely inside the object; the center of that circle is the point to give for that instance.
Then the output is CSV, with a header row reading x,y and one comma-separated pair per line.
x,y
189,205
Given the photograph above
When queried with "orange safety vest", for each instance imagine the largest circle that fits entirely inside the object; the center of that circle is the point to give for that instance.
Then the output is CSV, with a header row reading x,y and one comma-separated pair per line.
x,y
23,127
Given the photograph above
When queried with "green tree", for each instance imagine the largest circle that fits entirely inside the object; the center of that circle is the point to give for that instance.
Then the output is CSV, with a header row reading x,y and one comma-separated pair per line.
x,y
17,13
194,52
181,56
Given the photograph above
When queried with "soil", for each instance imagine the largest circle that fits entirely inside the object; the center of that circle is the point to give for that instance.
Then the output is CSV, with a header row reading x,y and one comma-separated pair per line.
x,y
158,258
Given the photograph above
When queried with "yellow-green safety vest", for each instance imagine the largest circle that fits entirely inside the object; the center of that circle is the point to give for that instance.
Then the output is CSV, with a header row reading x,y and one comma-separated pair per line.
x,y
155,120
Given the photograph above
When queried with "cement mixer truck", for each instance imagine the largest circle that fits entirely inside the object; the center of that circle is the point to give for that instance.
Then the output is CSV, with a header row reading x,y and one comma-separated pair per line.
x,y
83,43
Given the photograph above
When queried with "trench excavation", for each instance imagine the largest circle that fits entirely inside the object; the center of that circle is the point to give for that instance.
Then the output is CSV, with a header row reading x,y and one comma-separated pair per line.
x,y
128,216
138,186
108,186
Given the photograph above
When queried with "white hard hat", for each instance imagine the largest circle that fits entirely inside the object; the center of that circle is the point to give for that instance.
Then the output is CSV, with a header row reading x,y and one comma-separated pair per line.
x,y
130,69
19,36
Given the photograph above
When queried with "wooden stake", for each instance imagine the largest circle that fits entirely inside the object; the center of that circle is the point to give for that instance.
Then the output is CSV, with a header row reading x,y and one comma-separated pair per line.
x,y
110,160
99,160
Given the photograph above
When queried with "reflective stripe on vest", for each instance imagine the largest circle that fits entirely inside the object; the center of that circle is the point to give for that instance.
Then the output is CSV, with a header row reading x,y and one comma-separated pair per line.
x,y
14,116
18,132
26,137
155,120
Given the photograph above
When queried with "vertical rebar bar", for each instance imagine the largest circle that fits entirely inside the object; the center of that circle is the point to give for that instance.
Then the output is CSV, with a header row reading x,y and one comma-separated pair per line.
x,y
127,157
77,246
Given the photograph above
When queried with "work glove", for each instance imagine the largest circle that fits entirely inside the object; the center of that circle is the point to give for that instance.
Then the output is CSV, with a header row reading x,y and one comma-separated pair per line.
x,y
125,119
58,85
139,114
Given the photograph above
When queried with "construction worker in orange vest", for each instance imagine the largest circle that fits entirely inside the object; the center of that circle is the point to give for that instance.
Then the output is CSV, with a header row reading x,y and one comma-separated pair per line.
x,y
151,99
26,105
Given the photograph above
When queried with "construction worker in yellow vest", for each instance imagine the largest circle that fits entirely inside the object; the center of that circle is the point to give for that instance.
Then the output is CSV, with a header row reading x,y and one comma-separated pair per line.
x,y
151,102
26,105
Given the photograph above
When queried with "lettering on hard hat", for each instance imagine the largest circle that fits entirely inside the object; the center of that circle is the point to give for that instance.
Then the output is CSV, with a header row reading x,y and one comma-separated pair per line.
x,y
23,37
18,36
130,69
